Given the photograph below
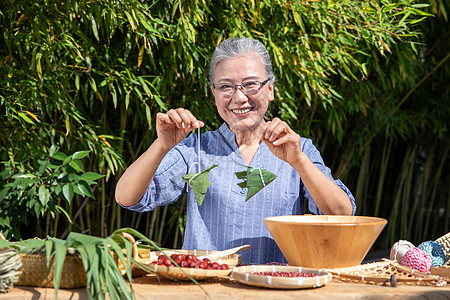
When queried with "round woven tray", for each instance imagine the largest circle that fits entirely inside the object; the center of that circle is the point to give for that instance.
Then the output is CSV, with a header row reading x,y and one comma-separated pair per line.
x,y
244,275
146,256
383,273
182,273
231,260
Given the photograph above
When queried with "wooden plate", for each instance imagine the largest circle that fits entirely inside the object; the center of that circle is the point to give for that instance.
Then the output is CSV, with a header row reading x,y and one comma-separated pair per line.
x,y
181,273
244,275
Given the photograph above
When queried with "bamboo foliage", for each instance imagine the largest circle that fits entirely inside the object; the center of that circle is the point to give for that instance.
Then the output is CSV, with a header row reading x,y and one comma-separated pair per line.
x,y
352,75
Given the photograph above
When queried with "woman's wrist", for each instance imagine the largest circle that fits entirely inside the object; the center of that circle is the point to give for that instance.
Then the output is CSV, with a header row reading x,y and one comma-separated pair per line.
x,y
301,161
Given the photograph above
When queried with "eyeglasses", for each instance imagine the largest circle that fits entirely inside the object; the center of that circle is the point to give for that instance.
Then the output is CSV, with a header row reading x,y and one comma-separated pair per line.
x,y
248,87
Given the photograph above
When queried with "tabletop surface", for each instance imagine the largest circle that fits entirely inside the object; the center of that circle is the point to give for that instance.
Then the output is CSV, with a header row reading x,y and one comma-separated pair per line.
x,y
152,287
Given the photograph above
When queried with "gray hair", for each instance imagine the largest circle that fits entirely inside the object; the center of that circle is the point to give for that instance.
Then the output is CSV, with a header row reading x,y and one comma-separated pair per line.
x,y
236,46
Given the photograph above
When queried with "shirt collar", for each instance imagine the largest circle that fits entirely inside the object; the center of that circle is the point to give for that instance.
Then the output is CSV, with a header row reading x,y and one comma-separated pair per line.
x,y
228,135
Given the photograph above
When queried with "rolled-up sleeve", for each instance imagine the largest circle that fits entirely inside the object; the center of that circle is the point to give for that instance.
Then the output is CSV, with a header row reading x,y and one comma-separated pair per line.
x,y
167,185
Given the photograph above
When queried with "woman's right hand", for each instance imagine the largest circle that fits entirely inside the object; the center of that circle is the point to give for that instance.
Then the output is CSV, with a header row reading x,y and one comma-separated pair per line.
x,y
172,127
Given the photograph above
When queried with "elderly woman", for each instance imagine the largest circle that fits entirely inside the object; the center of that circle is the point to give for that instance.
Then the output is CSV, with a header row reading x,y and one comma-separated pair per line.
x,y
242,83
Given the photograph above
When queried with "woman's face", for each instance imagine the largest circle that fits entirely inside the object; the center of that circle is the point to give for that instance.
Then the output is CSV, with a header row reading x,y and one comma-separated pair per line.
x,y
242,112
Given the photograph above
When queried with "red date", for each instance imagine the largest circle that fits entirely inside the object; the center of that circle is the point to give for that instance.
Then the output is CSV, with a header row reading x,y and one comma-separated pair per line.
x,y
284,274
189,261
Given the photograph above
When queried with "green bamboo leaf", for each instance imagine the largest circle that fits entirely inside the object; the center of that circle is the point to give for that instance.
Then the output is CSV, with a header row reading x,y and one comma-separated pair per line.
x,y
148,115
417,21
77,165
60,256
84,189
80,154
335,93
25,118
48,245
113,94
94,27
53,150
44,195
77,81
31,244
36,207
38,64
68,191
60,156
19,176
145,86
127,100
160,103
61,210
130,19
88,176
93,84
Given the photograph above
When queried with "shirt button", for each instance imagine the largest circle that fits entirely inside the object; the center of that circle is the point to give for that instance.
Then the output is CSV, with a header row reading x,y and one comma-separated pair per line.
x,y
243,192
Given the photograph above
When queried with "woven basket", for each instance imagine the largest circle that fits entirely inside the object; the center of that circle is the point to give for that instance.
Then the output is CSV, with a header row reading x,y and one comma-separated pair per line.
x,y
34,272
444,241
9,268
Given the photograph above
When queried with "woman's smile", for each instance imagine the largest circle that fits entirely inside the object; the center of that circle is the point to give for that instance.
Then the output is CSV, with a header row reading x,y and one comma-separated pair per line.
x,y
242,111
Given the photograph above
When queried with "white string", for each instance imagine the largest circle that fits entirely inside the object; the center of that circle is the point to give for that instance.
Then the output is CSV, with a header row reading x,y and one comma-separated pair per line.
x,y
199,167
195,163
259,164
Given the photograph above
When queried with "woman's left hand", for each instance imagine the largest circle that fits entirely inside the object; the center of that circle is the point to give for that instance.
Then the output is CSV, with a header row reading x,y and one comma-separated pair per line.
x,y
282,141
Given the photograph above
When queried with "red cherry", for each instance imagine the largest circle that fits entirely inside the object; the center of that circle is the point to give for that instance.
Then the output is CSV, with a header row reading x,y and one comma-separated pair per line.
x,y
203,265
207,261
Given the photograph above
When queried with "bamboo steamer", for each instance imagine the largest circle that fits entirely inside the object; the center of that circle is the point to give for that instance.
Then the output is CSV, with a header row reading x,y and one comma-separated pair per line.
x,y
324,241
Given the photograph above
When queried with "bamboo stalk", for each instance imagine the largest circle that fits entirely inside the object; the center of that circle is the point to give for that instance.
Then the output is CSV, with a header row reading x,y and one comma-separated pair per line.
x,y
397,199
161,225
435,182
151,232
362,183
382,177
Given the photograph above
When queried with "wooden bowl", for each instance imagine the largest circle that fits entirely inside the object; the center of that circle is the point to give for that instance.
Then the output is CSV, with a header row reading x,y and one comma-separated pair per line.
x,y
324,241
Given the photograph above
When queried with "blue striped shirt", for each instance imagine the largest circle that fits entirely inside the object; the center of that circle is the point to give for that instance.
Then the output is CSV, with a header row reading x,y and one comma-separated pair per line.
x,y
225,220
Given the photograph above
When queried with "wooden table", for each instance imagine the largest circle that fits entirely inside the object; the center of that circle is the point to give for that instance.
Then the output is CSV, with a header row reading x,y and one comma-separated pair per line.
x,y
151,287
